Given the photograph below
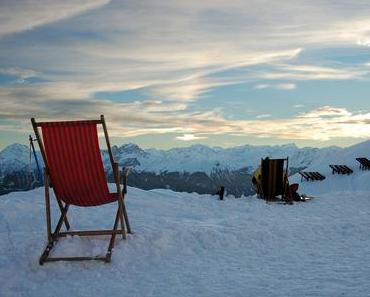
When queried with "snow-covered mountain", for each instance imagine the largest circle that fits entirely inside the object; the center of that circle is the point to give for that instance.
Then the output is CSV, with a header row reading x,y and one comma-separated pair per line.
x,y
13,158
201,158
195,158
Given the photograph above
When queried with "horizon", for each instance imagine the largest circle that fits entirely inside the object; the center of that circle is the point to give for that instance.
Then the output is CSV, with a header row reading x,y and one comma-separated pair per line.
x,y
189,145
169,75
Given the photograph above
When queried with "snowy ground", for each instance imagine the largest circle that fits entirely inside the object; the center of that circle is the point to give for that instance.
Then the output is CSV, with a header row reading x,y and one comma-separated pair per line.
x,y
195,245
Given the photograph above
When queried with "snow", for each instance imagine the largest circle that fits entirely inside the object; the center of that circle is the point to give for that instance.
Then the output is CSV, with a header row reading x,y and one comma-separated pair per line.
x,y
194,245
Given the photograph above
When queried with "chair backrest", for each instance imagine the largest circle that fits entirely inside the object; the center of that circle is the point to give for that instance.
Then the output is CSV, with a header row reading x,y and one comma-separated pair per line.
x,y
273,177
73,159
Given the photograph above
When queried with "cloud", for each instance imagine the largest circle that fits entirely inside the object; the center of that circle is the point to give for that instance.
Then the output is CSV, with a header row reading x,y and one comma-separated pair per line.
x,y
263,116
175,57
156,117
315,72
364,42
190,137
321,124
21,15
178,53
286,86
18,72
326,111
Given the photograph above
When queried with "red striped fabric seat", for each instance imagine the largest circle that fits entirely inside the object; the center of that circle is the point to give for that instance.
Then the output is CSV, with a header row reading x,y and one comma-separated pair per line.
x,y
75,163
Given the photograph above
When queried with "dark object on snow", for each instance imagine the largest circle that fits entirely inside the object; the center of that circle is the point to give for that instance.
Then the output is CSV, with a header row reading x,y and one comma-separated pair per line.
x,y
341,169
294,192
296,196
73,164
32,147
274,180
311,175
364,163
221,192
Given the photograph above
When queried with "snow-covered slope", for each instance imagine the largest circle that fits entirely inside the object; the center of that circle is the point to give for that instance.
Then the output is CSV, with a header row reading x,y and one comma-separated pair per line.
x,y
193,245
359,180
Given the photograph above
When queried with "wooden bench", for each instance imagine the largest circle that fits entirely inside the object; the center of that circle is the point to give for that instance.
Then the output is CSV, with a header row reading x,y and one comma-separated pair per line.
x,y
364,163
341,169
311,175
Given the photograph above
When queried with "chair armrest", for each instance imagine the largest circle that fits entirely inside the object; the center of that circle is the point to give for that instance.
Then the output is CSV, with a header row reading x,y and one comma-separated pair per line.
x,y
121,176
124,178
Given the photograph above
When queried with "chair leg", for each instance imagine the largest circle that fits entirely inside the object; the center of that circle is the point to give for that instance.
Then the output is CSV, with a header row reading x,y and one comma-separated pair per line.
x,y
53,237
46,252
126,218
59,225
61,207
121,219
112,239
47,205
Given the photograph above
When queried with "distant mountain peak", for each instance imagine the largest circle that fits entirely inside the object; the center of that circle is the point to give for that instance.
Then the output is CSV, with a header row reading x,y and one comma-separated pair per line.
x,y
15,146
128,149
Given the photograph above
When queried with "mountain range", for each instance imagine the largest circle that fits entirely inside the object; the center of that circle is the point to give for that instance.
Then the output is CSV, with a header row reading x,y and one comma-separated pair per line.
x,y
197,168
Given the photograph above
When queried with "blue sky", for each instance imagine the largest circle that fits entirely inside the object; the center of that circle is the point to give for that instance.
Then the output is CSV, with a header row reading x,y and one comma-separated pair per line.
x,y
175,73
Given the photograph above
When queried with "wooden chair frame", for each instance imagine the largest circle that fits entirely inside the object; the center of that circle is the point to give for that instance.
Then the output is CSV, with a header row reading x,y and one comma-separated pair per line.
x,y
286,195
121,216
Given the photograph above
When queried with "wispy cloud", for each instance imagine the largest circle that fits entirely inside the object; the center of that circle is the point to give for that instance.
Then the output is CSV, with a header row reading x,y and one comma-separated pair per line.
x,y
22,15
190,137
286,86
179,52
327,111
263,116
136,118
364,42
315,72
18,72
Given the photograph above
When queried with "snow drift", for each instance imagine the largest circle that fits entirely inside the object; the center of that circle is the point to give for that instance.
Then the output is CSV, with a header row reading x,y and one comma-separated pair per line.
x,y
194,245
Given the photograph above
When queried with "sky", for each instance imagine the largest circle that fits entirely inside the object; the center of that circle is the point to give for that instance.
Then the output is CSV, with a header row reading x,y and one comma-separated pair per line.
x,y
176,73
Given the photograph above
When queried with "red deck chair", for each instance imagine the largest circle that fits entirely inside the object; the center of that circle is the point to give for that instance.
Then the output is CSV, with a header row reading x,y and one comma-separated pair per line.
x,y
74,168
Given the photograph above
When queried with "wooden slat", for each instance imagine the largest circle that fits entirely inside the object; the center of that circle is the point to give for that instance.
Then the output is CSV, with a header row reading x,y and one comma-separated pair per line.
x,y
39,124
54,259
322,177
89,232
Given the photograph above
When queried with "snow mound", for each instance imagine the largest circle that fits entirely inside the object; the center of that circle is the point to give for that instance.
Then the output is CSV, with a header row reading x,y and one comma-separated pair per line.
x,y
194,245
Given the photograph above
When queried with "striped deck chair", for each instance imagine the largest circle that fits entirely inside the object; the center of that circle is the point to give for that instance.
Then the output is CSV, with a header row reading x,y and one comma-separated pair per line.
x,y
74,168
274,180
